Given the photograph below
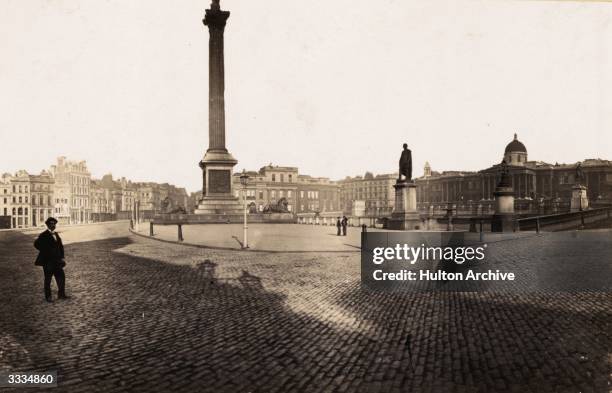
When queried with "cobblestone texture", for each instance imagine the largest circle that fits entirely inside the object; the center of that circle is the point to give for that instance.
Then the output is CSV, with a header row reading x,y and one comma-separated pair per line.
x,y
147,316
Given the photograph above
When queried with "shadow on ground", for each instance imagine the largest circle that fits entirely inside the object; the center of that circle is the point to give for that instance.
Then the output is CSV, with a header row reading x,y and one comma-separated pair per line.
x,y
140,325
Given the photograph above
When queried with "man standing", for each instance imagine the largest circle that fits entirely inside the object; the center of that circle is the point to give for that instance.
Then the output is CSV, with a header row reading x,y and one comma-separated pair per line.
x,y
344,225
338,225
51,258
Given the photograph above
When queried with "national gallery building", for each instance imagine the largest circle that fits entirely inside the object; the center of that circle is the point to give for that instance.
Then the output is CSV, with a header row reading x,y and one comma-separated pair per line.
x,y
539,187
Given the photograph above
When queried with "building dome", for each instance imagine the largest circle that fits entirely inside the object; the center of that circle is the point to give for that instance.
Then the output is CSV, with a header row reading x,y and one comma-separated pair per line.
x,y
515,146
515,153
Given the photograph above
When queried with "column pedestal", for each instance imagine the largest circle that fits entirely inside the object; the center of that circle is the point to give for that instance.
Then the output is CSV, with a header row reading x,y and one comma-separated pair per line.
x,y
217,168
579,200
405,215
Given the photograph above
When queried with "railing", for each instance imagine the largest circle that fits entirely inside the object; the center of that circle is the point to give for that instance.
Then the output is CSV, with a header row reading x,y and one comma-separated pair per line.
x,y
487,207
564,220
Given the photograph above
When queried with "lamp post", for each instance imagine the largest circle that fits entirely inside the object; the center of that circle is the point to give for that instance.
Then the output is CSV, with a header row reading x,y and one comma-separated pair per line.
x,y
244,179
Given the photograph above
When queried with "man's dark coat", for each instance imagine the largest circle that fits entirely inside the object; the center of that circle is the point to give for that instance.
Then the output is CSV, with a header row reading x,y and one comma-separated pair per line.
x,y
51,251
405,164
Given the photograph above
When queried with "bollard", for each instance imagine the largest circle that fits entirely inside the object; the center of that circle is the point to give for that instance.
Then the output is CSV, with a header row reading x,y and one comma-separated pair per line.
x,y
180,233
151,228
364,228
537,225
582,220
481,232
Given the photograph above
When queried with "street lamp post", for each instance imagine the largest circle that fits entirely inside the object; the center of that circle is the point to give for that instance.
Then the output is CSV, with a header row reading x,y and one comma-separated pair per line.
x,y
244,179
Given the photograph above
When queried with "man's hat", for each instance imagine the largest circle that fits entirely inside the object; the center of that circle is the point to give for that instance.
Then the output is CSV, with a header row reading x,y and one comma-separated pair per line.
x,y
51,220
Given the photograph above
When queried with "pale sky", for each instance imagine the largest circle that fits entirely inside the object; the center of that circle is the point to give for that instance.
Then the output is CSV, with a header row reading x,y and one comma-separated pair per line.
x,y
332,87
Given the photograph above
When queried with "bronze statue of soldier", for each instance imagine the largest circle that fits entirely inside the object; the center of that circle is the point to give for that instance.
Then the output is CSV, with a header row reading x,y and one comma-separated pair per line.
x,y
405,164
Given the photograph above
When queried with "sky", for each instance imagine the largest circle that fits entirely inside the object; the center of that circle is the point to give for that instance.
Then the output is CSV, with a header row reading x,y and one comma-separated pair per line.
x,y
332,87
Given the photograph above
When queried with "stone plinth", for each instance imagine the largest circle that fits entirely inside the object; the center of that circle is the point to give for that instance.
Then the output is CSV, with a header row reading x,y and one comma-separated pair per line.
x,y
503,219
220,205
405,215
579,200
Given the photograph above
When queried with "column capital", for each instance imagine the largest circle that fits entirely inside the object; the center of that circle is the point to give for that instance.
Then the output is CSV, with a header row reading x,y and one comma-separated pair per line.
x,y
216,19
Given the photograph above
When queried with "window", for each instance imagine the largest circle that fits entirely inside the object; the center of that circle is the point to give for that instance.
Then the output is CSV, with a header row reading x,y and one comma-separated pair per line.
x,y
273,194
290,178
302,195
274,177
282,177
281,193
289,193
260,194
20,200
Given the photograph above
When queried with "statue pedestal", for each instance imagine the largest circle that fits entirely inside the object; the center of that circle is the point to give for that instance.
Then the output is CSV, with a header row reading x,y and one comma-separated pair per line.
x,y
405,215
579,200
503,219
218,196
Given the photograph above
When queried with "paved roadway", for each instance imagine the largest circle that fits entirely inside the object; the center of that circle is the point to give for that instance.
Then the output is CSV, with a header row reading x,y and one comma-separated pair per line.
x,y
269,237
148,316
273,237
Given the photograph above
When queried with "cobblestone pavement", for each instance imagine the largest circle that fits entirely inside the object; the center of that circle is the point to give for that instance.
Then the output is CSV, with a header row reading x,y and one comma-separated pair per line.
x,y
147,316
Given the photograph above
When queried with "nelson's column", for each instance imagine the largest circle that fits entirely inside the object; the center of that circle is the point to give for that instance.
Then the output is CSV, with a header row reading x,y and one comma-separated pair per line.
x,y
217,164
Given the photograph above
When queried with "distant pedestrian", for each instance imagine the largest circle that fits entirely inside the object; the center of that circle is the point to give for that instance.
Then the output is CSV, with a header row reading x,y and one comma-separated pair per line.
x,y
344,225
51,258
338,225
